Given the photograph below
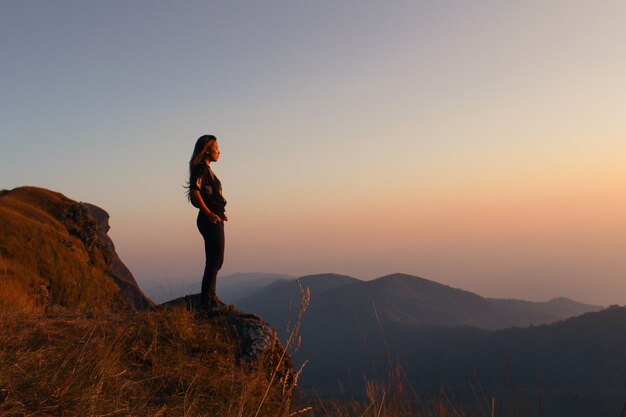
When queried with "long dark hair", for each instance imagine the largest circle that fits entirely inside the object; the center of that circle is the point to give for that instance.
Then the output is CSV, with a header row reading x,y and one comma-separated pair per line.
x,y
198,156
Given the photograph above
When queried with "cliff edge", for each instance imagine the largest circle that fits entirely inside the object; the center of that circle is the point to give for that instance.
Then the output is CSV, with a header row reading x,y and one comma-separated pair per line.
x,y
56,251
79,337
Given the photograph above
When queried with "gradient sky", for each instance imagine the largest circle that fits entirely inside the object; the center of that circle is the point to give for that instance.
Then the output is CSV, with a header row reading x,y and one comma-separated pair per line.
x,y
479,144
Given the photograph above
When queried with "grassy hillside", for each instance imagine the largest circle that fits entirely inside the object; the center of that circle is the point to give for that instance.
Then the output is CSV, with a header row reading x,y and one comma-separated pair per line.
x,y
69,346
52,253
165,363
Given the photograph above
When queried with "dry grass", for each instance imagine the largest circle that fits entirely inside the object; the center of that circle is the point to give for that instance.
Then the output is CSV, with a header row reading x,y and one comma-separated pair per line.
x,y
137,364
17,297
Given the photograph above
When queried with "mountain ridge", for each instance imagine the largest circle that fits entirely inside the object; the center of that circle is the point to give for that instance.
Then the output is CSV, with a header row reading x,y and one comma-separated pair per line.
x,y
404,298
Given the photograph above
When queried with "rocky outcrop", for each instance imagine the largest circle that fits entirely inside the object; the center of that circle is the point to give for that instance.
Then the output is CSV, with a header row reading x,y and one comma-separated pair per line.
x,y
96,234
255,337
256,341
53,242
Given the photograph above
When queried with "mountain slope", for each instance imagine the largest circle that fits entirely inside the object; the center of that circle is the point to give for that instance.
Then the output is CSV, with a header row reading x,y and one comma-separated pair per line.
x,y
525,313
342,302
275,302
441,335
55,250
410,300
574,367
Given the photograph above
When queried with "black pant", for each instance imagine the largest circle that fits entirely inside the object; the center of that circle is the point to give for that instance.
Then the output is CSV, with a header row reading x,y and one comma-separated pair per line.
x,y
213,234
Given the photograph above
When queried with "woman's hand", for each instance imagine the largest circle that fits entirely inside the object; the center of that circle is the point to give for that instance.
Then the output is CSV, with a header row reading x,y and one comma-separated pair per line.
x,y
214,218
225,217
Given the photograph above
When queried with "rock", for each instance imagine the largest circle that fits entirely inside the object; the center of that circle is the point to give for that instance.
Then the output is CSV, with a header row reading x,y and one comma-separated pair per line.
x,y
256,338
116,268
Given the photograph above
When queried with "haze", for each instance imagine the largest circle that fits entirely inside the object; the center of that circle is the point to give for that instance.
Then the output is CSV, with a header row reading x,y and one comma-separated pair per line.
x,y
478,144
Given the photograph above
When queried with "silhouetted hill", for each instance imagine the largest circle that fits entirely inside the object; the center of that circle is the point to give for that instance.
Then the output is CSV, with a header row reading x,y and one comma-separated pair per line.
x,y
342,302
575,367
440,335
410,300
525,313
49,240
273,302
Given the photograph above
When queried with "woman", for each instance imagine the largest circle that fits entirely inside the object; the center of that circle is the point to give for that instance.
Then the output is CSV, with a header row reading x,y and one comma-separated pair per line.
x,y
205,193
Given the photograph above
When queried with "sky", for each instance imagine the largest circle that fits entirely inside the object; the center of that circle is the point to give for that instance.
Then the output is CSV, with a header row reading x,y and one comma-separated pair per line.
x,y
478,144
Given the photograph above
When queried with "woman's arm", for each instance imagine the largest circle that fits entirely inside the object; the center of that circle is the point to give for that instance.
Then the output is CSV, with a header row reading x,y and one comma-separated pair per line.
x,y
197,201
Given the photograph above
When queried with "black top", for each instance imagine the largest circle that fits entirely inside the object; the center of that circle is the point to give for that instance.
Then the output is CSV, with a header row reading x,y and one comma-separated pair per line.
x,y
210,187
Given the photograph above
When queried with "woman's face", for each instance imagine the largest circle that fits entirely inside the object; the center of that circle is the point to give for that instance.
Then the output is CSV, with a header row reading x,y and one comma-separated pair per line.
x,y
213,153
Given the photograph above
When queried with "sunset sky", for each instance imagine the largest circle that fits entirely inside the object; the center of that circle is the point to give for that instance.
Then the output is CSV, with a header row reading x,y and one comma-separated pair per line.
x,y
478,144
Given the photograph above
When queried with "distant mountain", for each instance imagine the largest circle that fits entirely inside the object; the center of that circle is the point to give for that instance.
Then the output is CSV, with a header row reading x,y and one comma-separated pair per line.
x,y
526,313
441,336
231,288
408,299
400,298
55,250
437,334
275,302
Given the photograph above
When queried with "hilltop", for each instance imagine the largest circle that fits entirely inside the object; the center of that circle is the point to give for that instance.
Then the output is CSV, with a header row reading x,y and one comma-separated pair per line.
x,y
79,337
56,251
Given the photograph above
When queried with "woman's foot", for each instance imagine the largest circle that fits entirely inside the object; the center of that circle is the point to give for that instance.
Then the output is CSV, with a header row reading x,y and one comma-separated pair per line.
x,y
211,303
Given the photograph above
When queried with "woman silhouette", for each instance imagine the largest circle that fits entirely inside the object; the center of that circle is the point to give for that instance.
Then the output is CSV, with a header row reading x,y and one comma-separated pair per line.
x,y
205,193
